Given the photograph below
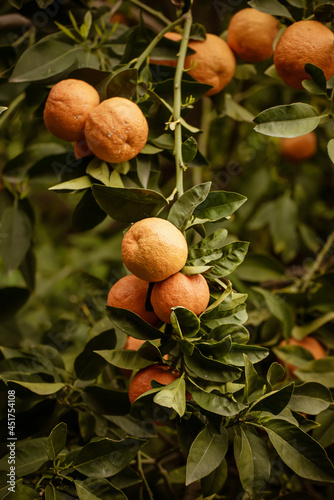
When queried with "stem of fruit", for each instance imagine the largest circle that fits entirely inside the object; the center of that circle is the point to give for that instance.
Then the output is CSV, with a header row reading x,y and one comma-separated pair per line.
x,y
317,263
180,166
142,58
153,12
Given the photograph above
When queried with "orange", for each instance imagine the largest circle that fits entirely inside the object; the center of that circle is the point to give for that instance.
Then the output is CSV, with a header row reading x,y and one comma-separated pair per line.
x,y
116,130
310,344
300,148
304,42
153,249
191,292
141,382
251,35
130,293
213,62
67,108
118,17
81,149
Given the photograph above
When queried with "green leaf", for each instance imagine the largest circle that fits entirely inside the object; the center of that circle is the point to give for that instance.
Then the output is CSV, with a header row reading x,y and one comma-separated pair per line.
x,y
76,184
214,403
273,7
290,120
244,71
15,236
330,149
88,365
183,208
319,370
260,267
254,353
250,377
124,358
128,204
46,59
324,434
121,83
40,388
311,398
210,369
2,109
299,451
206,454
30,455
300,332
214,481
213,241
235,111
98,488
318,84
275,373
278,308
105,457
252,459
275,401
173,396
99,170
87,214
56,440
132,324
232,256
218,205
185,322
189,150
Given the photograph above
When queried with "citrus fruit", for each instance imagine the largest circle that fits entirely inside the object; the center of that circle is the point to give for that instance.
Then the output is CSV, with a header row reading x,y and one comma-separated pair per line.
x,y
310,344
251,35
304,42
141,382
191,292
116,130
130,293
118,17
81,149
153,249
213,62
67,108
300,148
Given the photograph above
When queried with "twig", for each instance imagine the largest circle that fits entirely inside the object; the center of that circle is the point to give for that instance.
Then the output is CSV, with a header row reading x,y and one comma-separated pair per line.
x,y
153,12
180,167
141,472
305,281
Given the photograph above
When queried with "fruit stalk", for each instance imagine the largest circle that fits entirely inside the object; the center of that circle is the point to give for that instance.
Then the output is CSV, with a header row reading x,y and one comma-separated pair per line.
x,y
180,167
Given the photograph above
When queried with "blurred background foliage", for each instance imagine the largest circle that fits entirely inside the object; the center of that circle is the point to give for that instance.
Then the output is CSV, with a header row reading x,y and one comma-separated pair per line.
x,y
56,276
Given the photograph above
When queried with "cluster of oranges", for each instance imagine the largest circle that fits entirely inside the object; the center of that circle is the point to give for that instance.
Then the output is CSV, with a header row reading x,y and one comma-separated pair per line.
x,y
250,36
155,251
115,130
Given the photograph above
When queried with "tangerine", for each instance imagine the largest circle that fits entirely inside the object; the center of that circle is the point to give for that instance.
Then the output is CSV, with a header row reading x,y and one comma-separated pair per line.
x,y
296,149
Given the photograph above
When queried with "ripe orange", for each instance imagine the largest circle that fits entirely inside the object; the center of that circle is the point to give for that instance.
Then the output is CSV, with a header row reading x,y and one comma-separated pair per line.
x,y
191,292
130,293
153,249
141,382
116,130
118,17
81,149
300,148
67,108
304,42
310,344
213,62
251,35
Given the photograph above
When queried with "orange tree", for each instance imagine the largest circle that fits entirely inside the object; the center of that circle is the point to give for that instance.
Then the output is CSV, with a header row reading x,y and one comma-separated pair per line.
x,y
225,420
